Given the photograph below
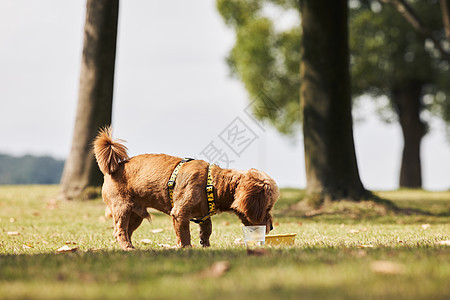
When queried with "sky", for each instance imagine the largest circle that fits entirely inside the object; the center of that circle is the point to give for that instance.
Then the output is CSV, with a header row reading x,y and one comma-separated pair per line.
x,y
173,94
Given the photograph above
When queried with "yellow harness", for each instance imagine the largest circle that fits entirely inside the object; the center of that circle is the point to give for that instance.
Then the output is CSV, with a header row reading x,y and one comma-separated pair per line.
x,y
209,191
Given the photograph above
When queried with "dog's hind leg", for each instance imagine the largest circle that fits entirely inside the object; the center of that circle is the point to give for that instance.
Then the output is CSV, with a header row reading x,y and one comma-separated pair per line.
x,y
205,232
121,215
133,224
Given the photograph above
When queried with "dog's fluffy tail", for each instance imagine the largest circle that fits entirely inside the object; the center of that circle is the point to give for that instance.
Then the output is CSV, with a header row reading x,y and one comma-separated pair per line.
x,y
109,153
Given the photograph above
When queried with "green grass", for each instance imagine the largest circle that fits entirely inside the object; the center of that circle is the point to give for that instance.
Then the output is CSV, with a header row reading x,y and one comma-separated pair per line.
x,y
335,255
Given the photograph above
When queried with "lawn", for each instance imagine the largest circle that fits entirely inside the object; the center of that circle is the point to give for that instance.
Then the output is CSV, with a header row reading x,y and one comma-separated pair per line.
x,y
347,252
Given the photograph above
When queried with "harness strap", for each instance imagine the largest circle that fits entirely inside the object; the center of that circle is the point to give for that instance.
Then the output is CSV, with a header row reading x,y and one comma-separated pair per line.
x,y
171,183
209,190
210,198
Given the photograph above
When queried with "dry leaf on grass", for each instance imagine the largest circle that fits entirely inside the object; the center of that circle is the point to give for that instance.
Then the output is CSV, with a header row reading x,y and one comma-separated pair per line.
x,y
12,220
27,246
445,243
146,241
257,252
13,233
426,226
165,246
239,242
217,269
365,246
158,230
66,248
52,204
387,267
354,231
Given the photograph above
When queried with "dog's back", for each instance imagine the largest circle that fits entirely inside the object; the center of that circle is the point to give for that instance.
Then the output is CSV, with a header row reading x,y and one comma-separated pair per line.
x,y
141,179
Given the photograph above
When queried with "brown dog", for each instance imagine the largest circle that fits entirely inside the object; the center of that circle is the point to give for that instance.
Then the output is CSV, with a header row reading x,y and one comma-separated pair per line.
x,y
133,184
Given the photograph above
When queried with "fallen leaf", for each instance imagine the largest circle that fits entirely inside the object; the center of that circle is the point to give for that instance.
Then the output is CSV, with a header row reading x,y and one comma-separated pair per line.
x,y
86,277
239,241
361,253
217,269
13,233
257,252
426,226
12,220
299,223
146,241
445,243
158,230
165,246
226,223
354,231
36,213
69,243
66,248
52,204
387,267
94,250
27,246
366,246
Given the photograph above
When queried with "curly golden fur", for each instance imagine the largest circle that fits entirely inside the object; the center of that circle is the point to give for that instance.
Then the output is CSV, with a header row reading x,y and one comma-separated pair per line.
x,y
131,185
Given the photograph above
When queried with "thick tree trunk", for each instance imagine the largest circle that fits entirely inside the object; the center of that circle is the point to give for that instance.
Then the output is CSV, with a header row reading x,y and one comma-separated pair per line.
x,y
95,96
408,102
330,160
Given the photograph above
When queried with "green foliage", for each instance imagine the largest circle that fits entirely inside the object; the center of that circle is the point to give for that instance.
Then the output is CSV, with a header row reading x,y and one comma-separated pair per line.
x,y
386,53
334,257
30,170
266,60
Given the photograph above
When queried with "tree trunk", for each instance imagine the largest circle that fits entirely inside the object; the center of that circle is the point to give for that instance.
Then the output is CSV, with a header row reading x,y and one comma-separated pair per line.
x,y
95,96
445,8
407,100
330,160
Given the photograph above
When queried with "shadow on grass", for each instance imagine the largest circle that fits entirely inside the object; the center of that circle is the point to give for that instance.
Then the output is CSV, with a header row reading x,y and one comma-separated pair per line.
x,y
294,204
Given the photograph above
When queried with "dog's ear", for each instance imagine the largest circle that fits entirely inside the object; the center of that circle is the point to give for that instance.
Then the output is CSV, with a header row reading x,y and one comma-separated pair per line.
x,y
252,196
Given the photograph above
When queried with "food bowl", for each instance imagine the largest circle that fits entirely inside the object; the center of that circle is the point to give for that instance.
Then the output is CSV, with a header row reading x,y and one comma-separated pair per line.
x,y
254,235
280,239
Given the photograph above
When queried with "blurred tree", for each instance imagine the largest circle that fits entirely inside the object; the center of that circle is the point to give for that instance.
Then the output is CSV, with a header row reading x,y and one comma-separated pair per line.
x,y
95,96
407,64
388,58
267,60
30,169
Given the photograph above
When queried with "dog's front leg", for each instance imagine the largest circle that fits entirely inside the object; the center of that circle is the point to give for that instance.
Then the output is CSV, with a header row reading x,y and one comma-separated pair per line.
x,y
205,233
181,226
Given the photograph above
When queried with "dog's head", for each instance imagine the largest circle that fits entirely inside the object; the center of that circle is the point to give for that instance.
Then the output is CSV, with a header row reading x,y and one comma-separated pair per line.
x,y
254,198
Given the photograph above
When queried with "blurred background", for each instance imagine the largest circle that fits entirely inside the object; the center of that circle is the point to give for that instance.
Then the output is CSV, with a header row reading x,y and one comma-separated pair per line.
x,y
173,94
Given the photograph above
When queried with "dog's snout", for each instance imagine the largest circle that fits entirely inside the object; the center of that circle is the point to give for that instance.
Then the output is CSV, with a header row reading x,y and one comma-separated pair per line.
x,y
271,227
